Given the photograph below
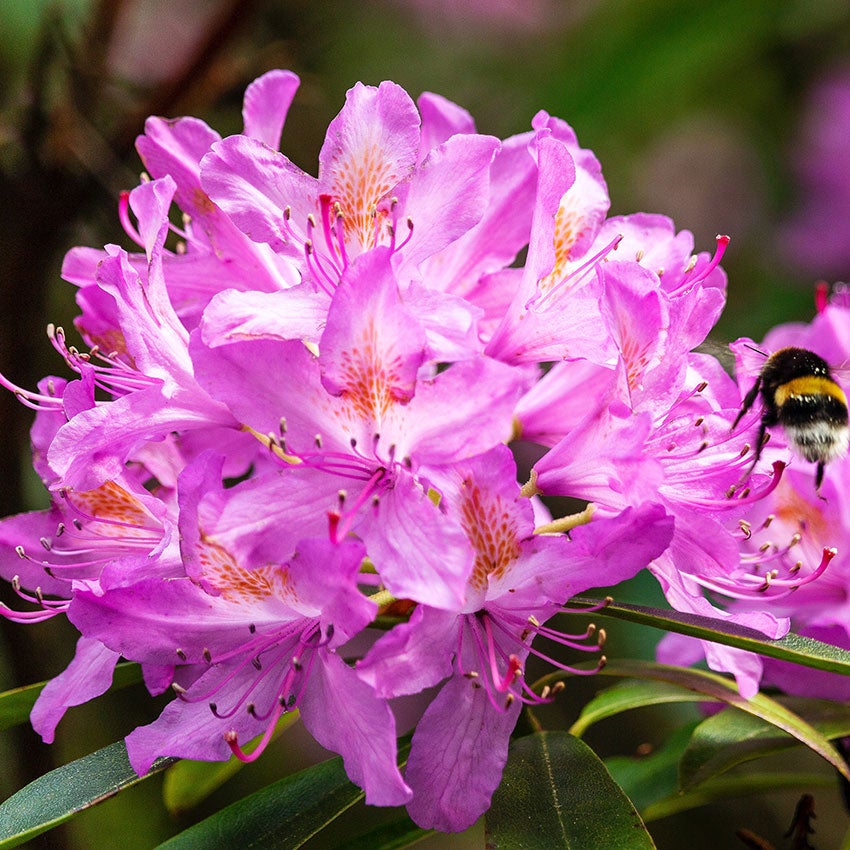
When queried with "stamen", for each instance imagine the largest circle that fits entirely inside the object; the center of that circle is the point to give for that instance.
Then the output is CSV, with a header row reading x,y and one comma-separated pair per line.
x,y
124,218
722,244
754,587
539,300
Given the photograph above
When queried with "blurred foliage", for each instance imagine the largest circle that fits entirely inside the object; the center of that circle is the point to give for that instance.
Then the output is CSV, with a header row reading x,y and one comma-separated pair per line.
x,y
692,109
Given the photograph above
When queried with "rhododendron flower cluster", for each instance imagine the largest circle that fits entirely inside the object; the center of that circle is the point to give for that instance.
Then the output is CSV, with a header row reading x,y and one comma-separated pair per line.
x,y
291,423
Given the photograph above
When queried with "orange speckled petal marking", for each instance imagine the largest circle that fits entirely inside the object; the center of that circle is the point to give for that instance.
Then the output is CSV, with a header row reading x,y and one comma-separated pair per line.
x,y
371,147
577,221
372,346
112,503
370,378
491,525
237,584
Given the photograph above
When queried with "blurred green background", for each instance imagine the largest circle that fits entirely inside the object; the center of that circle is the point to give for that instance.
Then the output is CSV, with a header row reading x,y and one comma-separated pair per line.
x,y
696,110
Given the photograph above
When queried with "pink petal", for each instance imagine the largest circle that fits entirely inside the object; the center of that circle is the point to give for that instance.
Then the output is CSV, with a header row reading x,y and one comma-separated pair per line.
x,y
266,103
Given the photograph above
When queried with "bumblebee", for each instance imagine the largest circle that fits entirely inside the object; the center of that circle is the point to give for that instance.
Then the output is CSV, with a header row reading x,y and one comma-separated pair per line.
x,y
799,393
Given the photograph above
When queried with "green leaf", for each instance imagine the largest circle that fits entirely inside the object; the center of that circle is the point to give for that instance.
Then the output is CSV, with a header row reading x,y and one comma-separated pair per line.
x,y
733,787
188,782
57,796
556,793
628,695
281,816
15,705
716,687
794,648
394,835
648,779
731,737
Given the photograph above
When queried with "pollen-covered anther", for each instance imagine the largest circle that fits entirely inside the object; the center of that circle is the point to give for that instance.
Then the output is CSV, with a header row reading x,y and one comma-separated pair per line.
x,y
471,674
601,638
768,578
746,528
318,441
796,537
179,690
691,264
180,654
207,655
21,552
701,386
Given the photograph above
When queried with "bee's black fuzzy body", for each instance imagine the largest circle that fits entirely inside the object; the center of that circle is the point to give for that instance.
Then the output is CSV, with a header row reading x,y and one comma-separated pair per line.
x,y
799,393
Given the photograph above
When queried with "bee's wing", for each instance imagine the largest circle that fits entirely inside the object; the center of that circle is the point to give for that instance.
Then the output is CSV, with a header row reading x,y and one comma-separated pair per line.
x,y
720,351
749,359
841,373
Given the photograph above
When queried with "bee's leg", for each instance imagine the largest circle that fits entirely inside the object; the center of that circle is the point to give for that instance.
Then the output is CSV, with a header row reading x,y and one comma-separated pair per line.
x,y
749,399
819,478
761,442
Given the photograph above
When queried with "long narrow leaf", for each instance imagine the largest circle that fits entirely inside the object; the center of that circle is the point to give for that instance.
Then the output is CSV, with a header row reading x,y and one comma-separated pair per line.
x,y
716,687
15,705
395,835
284,814
650,778
62,793
628,695
732,737
794,648
281,816
189,782
733,787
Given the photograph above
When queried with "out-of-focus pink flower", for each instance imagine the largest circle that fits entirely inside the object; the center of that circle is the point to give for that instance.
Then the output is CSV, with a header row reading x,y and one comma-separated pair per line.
x,y
816,237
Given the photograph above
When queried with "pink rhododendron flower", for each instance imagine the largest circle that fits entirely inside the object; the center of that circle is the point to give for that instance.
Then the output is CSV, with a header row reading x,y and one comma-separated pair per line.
x,y
816,236
518,582
280,476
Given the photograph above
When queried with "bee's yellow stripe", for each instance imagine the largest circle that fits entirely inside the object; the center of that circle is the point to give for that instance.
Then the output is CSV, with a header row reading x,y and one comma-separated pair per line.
x,y
809,385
